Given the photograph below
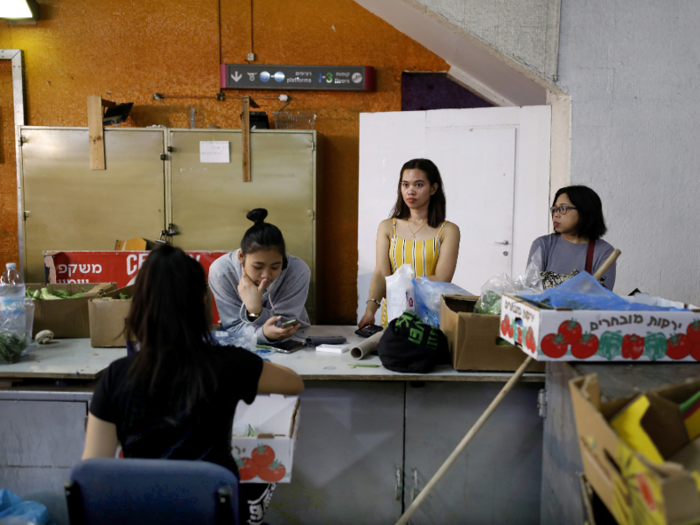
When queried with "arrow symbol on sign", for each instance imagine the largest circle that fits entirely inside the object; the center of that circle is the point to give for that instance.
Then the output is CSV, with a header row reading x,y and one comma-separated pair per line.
x,y
237,76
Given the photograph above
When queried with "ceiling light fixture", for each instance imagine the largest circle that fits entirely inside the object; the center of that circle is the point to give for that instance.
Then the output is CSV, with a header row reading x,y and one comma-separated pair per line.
x,y
20,11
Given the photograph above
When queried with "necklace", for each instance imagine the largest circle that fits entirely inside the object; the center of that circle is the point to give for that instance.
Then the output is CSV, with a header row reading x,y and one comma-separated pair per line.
x,y
413,233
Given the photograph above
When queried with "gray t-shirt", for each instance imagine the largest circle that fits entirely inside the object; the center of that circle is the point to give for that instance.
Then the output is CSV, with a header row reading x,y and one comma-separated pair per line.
x,y
556,254
287,294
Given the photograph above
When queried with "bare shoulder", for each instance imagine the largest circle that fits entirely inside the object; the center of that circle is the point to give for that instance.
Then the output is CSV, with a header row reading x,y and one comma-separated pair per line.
x,y
386,227
450,230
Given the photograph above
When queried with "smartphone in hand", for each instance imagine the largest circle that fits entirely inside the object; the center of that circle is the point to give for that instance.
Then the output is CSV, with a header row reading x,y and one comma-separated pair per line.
x,y
289,323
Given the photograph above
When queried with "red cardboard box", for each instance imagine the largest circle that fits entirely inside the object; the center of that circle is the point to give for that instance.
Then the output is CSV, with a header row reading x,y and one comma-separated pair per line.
x,y
118,267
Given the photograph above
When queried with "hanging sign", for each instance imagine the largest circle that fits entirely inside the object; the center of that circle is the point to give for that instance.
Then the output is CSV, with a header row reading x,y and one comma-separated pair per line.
x,y
325,78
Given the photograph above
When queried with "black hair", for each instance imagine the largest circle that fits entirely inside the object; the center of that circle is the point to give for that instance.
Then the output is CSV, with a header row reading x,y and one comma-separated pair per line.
x,y
437,208
263,236
591,223
169,318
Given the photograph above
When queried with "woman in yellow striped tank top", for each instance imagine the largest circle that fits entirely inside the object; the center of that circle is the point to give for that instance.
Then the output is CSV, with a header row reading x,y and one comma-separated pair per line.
x,y
416,233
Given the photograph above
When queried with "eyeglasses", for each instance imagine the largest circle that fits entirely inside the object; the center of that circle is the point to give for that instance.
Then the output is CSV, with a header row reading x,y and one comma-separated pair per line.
x,y
562,210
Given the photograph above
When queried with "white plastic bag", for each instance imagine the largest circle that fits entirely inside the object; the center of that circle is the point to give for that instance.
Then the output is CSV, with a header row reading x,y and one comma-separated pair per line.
x,y
527,282
244,338
399,292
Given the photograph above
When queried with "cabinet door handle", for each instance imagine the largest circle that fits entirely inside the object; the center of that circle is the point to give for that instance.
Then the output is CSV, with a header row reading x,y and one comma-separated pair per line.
x,y
398,484
414,490
505,243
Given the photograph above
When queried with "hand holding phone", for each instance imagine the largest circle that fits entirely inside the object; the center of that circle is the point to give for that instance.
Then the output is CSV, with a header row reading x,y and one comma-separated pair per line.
x,y
289,323
277,333
369,330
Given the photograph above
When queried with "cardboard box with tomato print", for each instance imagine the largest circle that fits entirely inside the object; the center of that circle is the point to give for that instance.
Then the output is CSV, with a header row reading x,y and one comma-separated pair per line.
x,y
600,335
264,438
637,454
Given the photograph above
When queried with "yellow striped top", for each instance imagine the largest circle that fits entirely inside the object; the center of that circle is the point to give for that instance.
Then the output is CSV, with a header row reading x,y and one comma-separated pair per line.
x,y
421,255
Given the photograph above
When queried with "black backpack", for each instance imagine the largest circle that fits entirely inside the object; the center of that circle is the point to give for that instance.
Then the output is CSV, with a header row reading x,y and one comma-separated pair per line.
x,y
411,346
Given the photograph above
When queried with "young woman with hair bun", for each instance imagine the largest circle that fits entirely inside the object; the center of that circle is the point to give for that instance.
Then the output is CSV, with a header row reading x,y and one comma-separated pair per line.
x,y
261,284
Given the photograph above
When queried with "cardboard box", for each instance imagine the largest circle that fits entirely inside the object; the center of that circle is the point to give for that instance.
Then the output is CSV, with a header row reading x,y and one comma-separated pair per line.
x,y
66,318
471,338
266,457
108,316
635,488
598,335
135,244
120,267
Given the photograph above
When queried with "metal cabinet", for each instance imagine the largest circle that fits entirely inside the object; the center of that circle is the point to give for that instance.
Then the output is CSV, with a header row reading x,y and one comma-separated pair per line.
x,y
155,177
68,206
40,441
497,478
347,458
210,200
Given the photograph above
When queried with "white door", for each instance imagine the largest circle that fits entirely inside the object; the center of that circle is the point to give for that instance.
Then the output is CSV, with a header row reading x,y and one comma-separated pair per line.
x,y
494,163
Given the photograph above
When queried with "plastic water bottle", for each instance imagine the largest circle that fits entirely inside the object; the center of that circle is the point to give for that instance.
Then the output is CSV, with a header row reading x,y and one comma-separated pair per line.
x,y
12,293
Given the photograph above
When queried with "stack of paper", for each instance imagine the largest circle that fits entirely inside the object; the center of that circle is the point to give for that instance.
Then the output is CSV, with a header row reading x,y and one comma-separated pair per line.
x,y
334,349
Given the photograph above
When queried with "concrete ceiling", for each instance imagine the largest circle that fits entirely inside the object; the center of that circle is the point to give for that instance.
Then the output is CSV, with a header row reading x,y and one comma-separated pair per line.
x,y
473,64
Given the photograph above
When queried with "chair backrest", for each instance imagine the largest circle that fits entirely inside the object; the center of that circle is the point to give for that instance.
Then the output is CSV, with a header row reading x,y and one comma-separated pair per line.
x,y
110,491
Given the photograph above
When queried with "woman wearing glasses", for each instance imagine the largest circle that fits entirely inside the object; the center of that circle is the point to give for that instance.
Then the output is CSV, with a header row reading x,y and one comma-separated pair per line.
x,y
261,284
576,244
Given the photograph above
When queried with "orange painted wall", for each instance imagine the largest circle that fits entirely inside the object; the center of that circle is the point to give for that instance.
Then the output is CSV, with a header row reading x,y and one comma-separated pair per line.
x,y
127,50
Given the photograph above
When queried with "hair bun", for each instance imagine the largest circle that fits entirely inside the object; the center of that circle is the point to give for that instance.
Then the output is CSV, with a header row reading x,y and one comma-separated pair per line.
x,y
257,215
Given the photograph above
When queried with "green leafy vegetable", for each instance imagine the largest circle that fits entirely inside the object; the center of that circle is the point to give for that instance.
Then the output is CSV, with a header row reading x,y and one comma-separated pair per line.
x,y
46,295
124,296
488,303
11,346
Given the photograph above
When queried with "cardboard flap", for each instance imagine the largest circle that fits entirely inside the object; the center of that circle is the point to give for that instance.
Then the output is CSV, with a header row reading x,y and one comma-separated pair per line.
x,y
653,426
268,414
101,287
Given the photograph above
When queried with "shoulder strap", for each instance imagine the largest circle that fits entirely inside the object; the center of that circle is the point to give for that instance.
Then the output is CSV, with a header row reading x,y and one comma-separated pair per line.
x,y
393,221
589,257
441,227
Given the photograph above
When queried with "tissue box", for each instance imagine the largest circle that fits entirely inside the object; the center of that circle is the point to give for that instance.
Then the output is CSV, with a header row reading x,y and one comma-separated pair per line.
x,y
266,457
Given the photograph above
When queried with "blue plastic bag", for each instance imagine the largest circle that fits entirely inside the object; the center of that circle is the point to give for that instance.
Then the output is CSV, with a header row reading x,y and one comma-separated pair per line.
x,y
584,292
15,511
428,295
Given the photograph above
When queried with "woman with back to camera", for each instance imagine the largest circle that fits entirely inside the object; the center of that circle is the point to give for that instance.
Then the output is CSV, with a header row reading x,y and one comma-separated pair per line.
x,y
261,284
416,233
175,398
576,244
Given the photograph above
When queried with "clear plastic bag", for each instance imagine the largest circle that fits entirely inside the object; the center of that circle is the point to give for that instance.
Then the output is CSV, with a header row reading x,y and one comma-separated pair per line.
x,y
428,295
13,335
399,292
490,300
244,338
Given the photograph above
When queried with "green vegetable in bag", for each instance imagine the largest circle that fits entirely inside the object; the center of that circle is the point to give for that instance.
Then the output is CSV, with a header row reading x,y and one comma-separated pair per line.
x,y
488,303
11,346
655,345
610,345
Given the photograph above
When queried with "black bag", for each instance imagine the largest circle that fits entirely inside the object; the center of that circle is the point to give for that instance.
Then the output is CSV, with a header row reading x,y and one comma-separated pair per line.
x,y
411,346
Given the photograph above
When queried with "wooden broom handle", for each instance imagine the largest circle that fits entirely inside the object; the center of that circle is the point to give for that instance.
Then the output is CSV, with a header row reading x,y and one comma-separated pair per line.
x,y
607,264
465,441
